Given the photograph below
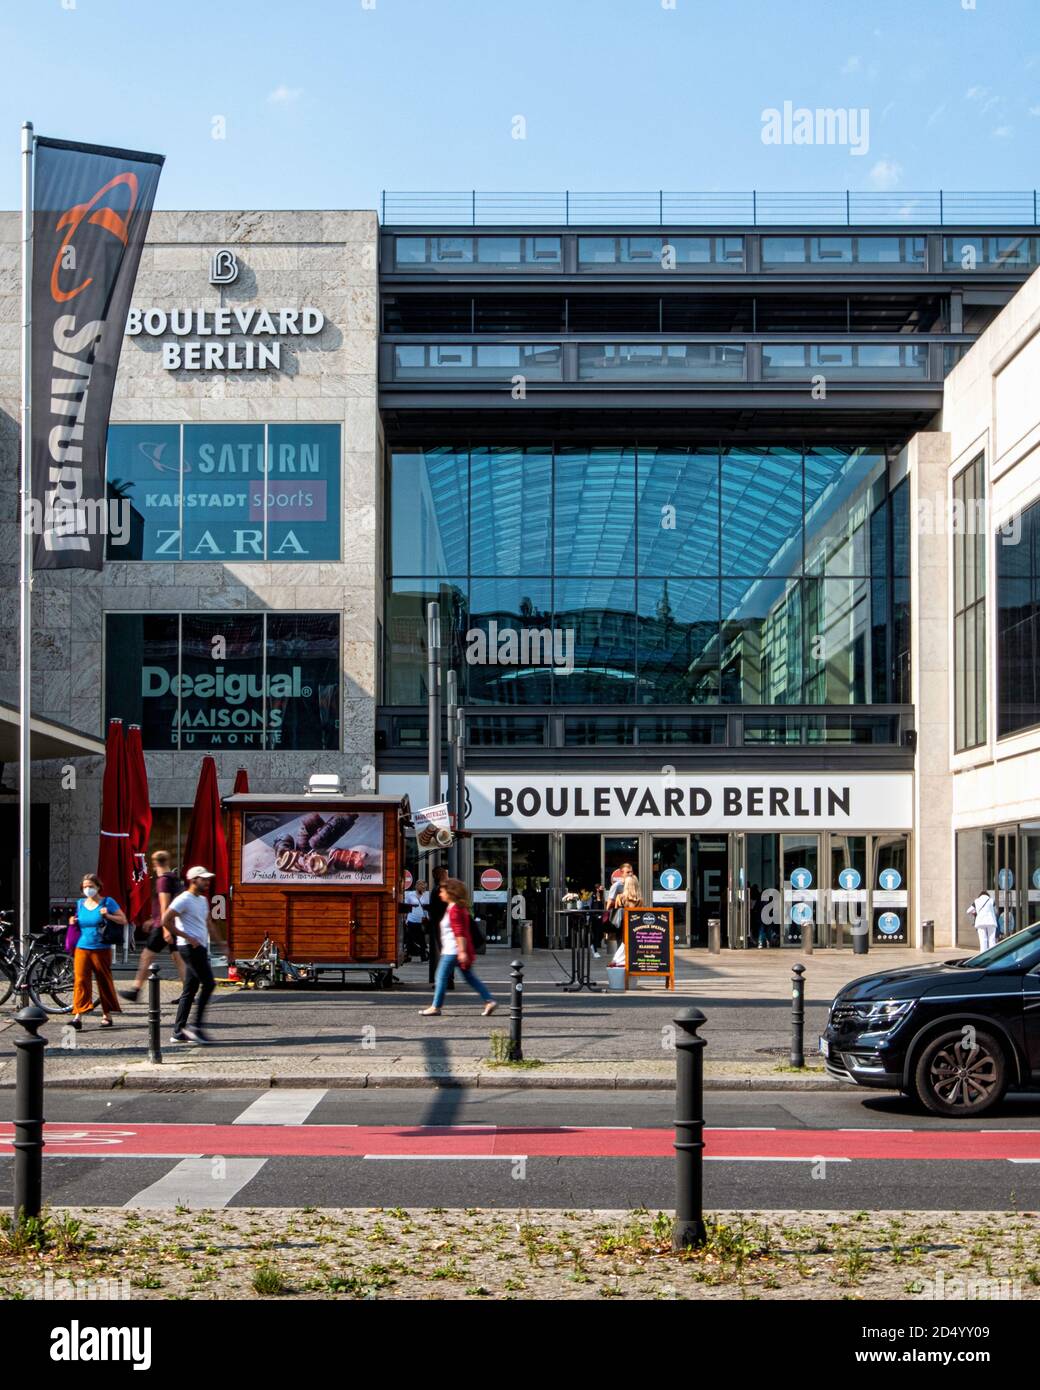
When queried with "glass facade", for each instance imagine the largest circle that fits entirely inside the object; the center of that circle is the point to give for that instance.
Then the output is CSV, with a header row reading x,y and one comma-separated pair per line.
x,y
227,492
225,680
1018,625
659,576
843,250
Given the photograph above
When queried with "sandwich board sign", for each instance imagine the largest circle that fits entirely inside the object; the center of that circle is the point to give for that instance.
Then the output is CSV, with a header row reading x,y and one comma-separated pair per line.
x,y
649,944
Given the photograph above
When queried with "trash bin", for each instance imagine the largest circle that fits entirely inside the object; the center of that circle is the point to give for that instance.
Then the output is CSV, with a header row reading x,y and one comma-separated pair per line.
x,y
616,977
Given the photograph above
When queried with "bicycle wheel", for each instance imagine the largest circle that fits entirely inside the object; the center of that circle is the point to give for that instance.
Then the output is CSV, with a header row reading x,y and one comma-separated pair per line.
x,y
52,976
6,982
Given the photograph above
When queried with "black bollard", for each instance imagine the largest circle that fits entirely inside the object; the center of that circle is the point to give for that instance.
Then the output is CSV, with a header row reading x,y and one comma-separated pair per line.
x,y
689,1131
798,1016
154,1015
28,1114
516,1013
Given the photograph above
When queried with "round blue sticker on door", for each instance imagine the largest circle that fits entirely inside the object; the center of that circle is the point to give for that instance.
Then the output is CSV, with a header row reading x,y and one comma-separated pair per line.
x,y
1036,878
1006,878
671,880
849,879
890,879
801,913
889,923
801,878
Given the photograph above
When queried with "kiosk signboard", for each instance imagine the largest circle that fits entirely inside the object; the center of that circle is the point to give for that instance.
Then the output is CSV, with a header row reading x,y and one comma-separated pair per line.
x,y
649,944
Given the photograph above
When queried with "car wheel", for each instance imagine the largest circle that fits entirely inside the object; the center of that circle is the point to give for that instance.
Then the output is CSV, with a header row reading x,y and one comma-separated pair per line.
x,y
962,1073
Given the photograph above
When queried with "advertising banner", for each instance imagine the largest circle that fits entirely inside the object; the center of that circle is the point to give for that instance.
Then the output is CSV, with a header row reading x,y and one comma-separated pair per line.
x,y
312,848
91,207
432,827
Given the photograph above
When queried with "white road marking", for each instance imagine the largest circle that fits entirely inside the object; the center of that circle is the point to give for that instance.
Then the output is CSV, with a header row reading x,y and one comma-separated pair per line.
x,y
767,1158
445,1158
198,1182
281,1106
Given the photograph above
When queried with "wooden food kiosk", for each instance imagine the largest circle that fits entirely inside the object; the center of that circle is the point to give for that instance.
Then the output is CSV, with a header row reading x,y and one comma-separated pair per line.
x,y
315,886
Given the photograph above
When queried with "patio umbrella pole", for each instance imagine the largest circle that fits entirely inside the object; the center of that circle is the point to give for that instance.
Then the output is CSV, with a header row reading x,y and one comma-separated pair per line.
x,y
25,577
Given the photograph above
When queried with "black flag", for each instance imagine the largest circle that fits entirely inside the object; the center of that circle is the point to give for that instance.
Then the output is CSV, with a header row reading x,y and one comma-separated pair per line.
x,y
91,207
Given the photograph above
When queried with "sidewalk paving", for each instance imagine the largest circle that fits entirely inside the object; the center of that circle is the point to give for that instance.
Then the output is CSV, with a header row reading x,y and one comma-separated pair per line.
x,y
354,1036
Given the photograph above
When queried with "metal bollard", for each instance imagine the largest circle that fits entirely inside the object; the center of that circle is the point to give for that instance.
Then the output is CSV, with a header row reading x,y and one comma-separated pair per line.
x,y
798,1016
516,1013
527,937
714,936
28,1114
154,1015
808,936
928,935
689,1131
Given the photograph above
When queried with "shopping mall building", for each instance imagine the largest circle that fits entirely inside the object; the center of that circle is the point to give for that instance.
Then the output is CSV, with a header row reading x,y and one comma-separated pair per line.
x,y
735,530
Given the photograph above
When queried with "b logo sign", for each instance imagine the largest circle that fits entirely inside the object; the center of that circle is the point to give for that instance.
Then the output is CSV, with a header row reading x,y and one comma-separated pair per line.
x,y
223,268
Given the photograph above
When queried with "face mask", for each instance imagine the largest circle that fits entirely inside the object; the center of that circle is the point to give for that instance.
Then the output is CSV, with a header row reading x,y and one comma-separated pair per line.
x,y
92,892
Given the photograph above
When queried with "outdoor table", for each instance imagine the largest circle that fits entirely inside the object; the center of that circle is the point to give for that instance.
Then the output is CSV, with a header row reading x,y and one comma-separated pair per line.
x,y
578,921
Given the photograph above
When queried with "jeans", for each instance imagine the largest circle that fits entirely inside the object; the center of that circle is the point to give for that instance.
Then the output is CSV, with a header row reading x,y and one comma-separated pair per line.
x,y
198,979
446,969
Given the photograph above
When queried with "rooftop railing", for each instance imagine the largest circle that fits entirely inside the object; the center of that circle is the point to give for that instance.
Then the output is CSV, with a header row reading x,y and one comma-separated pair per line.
x,y
941,208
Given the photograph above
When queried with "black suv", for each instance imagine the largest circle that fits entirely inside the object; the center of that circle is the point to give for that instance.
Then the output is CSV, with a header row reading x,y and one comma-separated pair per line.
x,y
957,1034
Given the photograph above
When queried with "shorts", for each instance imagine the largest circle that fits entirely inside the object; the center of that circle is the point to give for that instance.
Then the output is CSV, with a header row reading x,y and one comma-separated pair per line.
x,y
155,941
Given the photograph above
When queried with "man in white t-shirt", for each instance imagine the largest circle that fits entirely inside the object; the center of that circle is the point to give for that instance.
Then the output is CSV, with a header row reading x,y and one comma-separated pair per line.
x,y
984,911
190,911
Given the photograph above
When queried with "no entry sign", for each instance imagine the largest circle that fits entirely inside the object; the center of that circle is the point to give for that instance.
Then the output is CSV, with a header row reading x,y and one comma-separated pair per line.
x,y
490,879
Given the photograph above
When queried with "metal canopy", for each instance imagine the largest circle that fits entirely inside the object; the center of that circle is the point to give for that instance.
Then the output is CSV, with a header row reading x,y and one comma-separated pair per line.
x,y
47,739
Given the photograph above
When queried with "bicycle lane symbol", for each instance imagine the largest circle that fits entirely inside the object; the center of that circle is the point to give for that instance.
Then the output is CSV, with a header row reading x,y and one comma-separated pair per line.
x,y
77,1138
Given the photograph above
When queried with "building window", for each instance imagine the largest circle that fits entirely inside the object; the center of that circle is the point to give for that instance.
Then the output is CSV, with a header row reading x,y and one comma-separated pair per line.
x,y
743,575
969,607
1018,623
246,681
227,492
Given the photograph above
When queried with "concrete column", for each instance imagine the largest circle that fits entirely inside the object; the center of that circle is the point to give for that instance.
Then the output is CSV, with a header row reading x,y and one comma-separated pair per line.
x,y
932,883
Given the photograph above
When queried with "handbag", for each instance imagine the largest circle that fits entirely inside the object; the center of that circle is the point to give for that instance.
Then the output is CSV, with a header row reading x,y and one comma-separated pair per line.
x,y
112,935
71,938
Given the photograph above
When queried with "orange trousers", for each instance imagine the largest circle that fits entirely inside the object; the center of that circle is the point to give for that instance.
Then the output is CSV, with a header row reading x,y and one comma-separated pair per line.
x,y
87,964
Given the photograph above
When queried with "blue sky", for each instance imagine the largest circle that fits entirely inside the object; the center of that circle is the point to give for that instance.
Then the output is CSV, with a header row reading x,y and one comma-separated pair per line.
x,y
326,102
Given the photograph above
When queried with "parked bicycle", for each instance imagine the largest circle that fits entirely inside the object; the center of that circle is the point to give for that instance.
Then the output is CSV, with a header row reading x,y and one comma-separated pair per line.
x,y
44,974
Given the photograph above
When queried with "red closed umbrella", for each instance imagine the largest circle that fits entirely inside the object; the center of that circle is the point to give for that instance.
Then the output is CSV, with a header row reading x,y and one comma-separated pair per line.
x,y
140,826
206,844
241,782
115,862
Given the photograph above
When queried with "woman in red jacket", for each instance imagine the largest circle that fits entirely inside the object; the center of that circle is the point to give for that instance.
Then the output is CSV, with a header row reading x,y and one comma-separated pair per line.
x,y
456,949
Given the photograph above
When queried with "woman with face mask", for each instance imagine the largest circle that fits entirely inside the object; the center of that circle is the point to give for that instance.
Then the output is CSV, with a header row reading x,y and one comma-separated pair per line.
x,y
93,953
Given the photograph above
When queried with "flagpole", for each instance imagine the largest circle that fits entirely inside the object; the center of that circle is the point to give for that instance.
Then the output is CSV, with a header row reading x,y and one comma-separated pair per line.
x,y
25,578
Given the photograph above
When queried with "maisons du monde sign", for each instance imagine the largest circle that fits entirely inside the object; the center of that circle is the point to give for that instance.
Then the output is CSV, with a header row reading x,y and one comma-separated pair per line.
x,y
229,338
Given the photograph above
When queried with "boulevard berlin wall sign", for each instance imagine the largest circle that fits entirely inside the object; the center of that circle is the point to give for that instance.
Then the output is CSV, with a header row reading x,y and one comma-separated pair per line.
x,y
672,801
238,338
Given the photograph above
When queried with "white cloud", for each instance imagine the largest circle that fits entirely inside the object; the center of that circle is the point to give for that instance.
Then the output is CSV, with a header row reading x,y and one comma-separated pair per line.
x,y
852,64
1034,110
283,95
885,174
936,114
1003,132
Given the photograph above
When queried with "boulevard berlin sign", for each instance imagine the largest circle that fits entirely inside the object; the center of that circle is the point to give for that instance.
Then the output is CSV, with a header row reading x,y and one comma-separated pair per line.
x,y
225,339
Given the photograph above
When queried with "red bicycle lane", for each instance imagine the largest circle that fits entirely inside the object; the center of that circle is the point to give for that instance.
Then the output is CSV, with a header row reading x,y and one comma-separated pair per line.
x,y
103,1140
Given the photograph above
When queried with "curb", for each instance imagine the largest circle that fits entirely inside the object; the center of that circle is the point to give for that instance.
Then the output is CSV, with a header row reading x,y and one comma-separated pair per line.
x,y
171,1080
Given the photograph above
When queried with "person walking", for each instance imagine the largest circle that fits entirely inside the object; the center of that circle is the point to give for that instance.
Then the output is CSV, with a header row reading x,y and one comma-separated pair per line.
x,y
757,918
984,911
165,888
435,912
190,911
456,949
92,958
417,900
630,896
595,905
612,913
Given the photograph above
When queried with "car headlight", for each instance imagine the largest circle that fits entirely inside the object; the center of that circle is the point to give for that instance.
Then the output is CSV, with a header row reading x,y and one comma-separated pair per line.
x,y
880,1013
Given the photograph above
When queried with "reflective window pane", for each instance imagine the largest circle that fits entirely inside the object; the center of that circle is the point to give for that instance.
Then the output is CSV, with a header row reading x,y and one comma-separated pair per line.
x,y
762,642
511,492
842,489
429,508
678,499
142,663
761,512
836,617
511,645
303,504
404,634
595,514
222,701
598,618
303,680
678,641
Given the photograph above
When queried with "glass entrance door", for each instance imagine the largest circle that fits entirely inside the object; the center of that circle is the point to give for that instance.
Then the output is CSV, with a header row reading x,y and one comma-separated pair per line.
x,y
1029,889
490,887
765,900
671,880
1006,894
800,856
709,884
846,906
